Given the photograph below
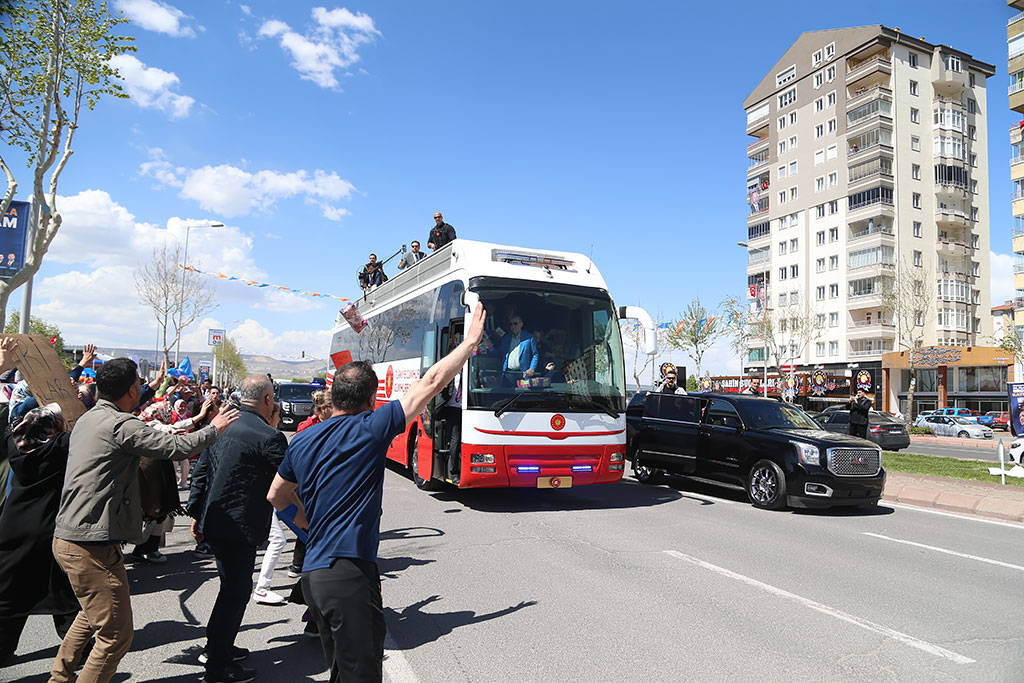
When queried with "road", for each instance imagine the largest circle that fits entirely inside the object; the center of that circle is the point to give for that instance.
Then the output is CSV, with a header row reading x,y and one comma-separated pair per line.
x,y
628,583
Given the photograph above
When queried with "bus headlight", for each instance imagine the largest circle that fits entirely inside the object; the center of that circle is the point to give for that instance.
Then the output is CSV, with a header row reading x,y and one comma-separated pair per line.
x,y
476,458
618,457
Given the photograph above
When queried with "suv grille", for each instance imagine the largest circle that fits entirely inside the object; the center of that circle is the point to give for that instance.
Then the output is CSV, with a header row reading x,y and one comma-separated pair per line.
x,y
854,462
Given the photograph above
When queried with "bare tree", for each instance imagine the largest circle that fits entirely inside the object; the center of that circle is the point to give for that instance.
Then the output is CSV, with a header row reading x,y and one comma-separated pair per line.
x,y
739,326
908,299
159,286
786,332
695,331
634,336
54,58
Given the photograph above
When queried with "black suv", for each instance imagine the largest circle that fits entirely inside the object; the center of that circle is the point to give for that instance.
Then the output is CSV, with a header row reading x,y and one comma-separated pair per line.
x,y
296,403
771,450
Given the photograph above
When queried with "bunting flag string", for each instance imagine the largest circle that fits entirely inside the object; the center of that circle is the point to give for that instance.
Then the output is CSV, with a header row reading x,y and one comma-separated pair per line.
x,y
257,284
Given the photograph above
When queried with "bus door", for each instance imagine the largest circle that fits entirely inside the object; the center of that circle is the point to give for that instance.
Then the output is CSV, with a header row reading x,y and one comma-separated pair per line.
x,y
447,407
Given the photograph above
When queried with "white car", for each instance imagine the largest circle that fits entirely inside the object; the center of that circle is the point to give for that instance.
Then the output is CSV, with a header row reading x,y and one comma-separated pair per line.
x,y
959,427
919,422
1016,452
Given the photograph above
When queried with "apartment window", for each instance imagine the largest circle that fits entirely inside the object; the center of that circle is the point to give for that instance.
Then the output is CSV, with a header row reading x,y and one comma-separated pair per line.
x,y
792,118
833,234
915,143
833,291
912,60
782,147
972,132
794,270
792,167
819,267
816,58
782,122
792,142
830,51
913,89
972,107
821,320
819,131
833,262
786,76
819,183
794,298
819,348
832,152
974,186
782,172
830,74
833,179
794,218
820,237
917,228
975,241
970,79
917,259
820,293
975,268
782,248
915,115
819,79
915,171
819,105
782,224
974,160
819,211
782,197
833,348
830,99
917,200
787,98
833,207
783,273
830,126
833,318
794,246
974,213
792,193
819,157
782,302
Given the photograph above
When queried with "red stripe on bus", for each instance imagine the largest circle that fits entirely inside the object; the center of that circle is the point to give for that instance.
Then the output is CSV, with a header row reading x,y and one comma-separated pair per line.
x,y
556,436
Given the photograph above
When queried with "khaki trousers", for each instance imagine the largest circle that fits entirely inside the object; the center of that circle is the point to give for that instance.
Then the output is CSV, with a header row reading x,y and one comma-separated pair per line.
x,y
100,583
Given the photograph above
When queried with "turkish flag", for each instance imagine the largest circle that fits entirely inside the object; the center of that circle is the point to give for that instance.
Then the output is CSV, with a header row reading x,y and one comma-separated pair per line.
x,y
53,341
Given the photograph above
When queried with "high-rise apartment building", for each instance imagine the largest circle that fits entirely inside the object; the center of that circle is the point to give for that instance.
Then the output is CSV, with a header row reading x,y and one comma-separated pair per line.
x,y
1015,67
869,159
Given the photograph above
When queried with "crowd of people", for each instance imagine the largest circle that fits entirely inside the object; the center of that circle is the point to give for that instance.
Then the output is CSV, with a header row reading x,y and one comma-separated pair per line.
x,y
373,275
78,498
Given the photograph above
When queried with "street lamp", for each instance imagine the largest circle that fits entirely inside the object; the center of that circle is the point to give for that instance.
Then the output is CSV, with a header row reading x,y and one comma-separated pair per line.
x,y
764,349
181,299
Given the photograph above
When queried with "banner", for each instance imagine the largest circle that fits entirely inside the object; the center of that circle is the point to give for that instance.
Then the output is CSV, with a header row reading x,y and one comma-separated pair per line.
x,y
37,361
204,370
13,229
1016,392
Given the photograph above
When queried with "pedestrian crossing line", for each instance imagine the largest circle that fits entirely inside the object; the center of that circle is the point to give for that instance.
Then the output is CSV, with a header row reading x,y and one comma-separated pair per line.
x,y
396,666
922,645
945,551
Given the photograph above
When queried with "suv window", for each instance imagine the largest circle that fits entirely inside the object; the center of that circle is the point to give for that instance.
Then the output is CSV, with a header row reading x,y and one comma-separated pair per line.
x,y
673,407
721,414
296,392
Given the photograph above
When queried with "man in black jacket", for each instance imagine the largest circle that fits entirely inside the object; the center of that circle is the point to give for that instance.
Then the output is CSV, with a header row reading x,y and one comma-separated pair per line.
x,y
441,234
859,407
230,512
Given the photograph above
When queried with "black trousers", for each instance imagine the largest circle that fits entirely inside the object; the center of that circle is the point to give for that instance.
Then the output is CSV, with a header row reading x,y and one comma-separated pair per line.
x,y
235,562
346,605
860,430
298,554
11,628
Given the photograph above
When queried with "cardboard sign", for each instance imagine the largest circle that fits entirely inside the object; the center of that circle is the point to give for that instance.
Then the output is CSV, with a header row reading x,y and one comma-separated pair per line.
x,y
37,360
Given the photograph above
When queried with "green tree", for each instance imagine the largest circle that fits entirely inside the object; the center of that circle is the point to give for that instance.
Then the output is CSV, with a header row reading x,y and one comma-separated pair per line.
x,y
36,326
228,361
695,331
54,58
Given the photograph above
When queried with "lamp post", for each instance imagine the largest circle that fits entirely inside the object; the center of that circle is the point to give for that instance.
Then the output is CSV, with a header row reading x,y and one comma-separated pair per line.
x,y
181,299
764,349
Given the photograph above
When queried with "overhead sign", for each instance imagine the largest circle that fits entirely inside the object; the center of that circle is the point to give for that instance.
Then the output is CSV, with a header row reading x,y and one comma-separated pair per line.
x,y
216,337
13,228
37,361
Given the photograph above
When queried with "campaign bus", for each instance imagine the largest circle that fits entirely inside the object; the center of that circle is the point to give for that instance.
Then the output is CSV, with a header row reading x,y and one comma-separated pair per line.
x,y
541,403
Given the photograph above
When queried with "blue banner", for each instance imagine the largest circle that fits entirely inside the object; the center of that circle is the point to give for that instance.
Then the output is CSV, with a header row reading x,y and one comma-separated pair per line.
x,y
184,369
13,229
1016,392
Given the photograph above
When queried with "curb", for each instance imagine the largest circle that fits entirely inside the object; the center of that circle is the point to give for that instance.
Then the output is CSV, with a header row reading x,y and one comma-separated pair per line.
x,y
989,507
924,439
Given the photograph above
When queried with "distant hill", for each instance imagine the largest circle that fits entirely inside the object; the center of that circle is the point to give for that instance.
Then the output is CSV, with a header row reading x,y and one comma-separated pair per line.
x,y
257,364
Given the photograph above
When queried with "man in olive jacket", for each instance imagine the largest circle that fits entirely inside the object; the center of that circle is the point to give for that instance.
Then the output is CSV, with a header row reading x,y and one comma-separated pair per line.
x,y
231,513
100,509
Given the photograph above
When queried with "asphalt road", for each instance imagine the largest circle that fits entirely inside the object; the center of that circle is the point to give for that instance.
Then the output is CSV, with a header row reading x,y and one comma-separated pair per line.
x,y
956,451
628,583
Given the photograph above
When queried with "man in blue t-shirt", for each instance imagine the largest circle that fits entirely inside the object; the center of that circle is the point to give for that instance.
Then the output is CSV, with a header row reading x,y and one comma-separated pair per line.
x,y
334,473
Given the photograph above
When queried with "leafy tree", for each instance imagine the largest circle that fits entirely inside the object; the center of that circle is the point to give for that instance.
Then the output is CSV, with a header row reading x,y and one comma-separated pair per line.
x,y
231,368
54,58
691,383
36,326
695,331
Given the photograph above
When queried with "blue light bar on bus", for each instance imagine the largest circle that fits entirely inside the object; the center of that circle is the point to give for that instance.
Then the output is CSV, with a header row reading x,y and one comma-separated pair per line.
x,y
582,468
528,468
527,259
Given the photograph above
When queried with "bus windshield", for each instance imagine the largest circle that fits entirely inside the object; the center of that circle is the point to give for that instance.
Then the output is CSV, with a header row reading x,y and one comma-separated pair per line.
x,y
548,351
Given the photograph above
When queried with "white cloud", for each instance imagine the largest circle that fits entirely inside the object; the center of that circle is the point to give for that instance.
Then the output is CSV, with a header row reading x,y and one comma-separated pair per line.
x,y
157,16
251,337
1001,277
333,43
246,10
233,191
150,87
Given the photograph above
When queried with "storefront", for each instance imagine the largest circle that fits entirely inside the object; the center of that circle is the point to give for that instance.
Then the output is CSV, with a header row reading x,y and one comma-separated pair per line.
x,y
972,377
815,390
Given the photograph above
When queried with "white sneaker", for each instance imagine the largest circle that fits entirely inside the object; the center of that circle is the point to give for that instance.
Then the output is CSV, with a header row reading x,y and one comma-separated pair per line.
x,y
267,597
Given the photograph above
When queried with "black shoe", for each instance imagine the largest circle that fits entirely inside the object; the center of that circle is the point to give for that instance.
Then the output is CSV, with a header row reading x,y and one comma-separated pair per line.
x,y
294,572
232,673
239,653
202,550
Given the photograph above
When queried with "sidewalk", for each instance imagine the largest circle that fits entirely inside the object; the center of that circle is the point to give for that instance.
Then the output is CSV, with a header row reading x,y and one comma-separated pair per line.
x,y
992,501
1005,437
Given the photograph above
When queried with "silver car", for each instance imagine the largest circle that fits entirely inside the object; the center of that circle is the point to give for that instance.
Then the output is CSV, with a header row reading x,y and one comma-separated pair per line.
x,y
963,428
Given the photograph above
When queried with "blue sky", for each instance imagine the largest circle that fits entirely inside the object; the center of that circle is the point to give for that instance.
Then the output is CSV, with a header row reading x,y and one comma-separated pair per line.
x,y
319,135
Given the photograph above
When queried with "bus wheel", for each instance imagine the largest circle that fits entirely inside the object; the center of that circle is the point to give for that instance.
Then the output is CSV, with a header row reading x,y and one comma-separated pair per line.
x,y
414,468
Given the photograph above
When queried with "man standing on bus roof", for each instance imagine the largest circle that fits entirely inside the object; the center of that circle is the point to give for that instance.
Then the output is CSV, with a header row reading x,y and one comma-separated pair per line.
x,y
411,258
441,234
342,459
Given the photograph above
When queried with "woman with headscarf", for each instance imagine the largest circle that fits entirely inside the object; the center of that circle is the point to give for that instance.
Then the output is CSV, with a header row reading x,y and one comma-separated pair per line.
x,y
30,580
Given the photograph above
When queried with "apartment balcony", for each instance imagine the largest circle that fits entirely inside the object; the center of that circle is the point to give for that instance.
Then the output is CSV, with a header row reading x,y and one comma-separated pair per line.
x,y
758,212
864,232
1016,134
1018,303
869,269
757,146
1018,268
880,206
863,329
950,191
869,73
870,300
953,248
870,348
864,95
1017,168
759,232
759,127
947,79
858,153
951,216
1017,99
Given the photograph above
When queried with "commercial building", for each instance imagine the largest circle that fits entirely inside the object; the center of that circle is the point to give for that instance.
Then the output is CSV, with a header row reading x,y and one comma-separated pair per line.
x,y
869,164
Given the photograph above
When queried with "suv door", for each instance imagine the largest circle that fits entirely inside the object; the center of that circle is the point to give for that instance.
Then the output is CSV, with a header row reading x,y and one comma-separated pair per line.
x,y
722,447
669,436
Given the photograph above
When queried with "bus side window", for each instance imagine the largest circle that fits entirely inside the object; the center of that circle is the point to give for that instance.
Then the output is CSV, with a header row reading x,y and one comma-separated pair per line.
x,y
429,353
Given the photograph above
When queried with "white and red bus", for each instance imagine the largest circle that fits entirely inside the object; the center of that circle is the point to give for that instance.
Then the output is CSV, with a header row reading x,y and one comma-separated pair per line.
x,y
561,425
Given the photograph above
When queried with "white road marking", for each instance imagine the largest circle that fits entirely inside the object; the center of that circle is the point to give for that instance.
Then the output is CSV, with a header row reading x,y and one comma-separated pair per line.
x,y
947,552
713,499
396,666
969,518
825,609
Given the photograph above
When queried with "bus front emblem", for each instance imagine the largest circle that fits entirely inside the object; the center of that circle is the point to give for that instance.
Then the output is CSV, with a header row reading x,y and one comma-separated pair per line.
x,y
389,381
557,422
555,482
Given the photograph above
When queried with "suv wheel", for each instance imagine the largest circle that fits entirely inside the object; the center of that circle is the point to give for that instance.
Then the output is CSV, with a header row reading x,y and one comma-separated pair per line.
x,y
645,474
766,486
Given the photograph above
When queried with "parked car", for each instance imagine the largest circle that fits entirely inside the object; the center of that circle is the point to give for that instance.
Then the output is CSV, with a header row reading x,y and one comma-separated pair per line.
x,y
1000,420
919,421
771,450
961,427
296,402
985,420
888,432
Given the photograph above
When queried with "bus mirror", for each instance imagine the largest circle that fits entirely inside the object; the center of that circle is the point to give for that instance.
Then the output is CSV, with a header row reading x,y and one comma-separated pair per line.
x,y
470,300
644,318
